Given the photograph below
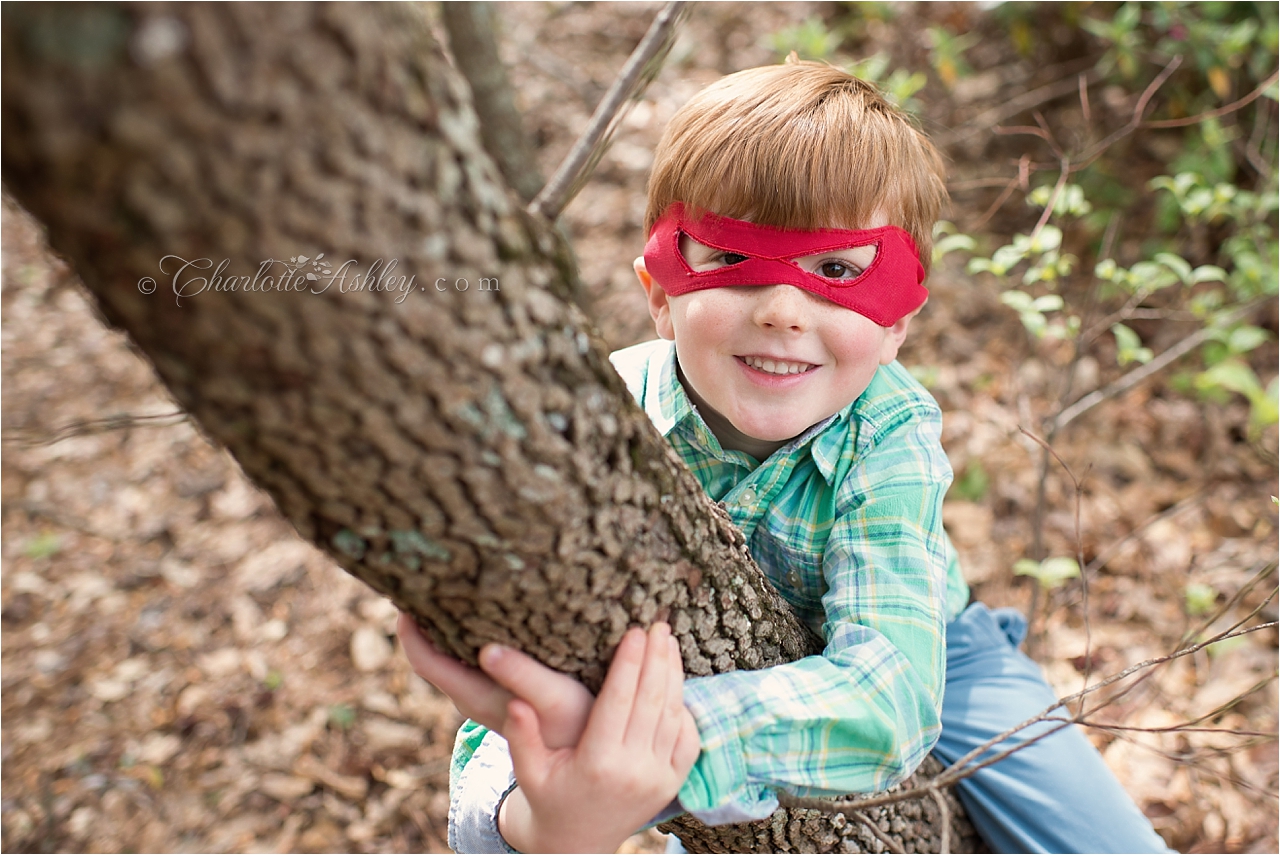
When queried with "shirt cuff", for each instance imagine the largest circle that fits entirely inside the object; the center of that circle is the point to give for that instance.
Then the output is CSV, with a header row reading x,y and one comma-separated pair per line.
x,y
717,790
484,784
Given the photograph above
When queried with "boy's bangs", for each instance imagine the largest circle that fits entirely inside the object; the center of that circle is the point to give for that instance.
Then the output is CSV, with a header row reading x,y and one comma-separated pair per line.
x,y
789,183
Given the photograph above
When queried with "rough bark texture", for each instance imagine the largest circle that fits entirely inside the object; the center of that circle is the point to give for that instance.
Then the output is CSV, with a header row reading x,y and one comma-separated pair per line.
x,y
469,453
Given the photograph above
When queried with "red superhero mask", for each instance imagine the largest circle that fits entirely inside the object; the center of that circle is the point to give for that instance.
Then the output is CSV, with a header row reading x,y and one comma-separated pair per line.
x,y
887,291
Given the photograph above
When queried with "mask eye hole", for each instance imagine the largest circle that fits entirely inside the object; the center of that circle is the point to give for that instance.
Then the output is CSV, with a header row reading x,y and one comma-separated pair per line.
x,y
701,257
842,266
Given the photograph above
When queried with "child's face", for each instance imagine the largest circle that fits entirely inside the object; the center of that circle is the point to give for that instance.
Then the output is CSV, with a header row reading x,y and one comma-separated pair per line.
x,y
773,359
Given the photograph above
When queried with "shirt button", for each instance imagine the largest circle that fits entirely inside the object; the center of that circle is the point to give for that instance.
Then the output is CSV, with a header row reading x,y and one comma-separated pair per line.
x,y
748,497
793,579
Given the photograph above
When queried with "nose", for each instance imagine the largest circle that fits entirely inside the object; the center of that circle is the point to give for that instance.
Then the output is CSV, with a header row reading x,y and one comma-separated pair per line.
x,y
781,308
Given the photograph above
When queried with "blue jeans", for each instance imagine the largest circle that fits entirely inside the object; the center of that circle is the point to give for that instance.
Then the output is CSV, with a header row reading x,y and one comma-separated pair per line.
x,y
1056,795
1053,796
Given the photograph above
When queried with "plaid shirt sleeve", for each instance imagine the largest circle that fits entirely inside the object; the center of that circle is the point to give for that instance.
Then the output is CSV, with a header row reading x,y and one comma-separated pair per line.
x,y
863,715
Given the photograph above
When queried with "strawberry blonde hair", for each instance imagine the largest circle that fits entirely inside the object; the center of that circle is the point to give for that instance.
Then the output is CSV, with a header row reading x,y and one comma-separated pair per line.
x,y
800,145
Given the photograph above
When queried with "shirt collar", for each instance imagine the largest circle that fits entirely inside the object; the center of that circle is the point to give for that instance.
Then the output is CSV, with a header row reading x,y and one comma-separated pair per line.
x,y
668,404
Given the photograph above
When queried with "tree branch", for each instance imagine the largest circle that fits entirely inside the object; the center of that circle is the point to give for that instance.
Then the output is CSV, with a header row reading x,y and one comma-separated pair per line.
x,y
1221,111
1136,376
472,28
641,67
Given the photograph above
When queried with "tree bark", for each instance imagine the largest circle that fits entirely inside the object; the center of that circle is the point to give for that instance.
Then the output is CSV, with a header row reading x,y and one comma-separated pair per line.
x,y
463,445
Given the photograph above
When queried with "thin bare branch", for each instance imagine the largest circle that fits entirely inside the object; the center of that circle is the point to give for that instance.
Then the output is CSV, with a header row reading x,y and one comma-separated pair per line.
x,y
888,841
1135,122
1063,175
1189,725
1221,111
1263,572
1010,186
944,848
1100,560
965,766
473,41
1133,378
88,427
640,67
1027,100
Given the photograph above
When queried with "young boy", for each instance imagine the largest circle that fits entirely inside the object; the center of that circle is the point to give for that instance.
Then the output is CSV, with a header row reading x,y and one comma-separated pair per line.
x,y
790,214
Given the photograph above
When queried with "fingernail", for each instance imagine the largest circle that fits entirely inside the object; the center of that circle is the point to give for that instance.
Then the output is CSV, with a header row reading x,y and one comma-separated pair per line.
x,y
491,653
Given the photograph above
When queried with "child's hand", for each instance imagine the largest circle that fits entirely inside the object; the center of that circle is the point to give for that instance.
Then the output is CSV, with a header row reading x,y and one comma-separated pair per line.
x,y
561,702
638,747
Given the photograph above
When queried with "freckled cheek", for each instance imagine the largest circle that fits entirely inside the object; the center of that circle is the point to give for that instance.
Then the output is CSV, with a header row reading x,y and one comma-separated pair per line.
x,y
708,321
857,348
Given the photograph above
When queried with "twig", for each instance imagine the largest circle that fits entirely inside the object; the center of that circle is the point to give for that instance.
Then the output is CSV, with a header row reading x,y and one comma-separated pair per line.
x,y
1084,580
1189,725
1118,696
1262,124
473,41
1063,175
1221,111
1100,560
88,427
945,846
1133,378
965,767
1138,110
1263,572
888,841
553,198
1136,376
1010,186
1034,98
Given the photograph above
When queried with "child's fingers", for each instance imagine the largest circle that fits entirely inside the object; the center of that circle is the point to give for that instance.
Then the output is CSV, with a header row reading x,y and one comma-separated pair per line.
x,y
668,729
562,703
530,757
612,708
472,692
651,689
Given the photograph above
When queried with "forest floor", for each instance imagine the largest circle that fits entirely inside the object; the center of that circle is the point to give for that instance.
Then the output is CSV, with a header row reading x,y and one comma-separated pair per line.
x,y
182,673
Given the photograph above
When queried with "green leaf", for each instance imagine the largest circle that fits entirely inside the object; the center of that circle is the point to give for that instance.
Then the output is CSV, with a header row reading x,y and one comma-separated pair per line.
x,y
973,483
1026,567
1126,339
951,243
44,545
1233,375
1019,301
1050,573
1048,303
1207,273
1176,263
1200,598
1225,646
1246,338
342,716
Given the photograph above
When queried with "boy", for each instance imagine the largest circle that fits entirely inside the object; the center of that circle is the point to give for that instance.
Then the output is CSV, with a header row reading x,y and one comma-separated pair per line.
x,y
790,214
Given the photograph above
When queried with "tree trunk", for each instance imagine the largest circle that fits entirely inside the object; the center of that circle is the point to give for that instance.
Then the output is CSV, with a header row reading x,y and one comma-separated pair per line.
x,y
446,426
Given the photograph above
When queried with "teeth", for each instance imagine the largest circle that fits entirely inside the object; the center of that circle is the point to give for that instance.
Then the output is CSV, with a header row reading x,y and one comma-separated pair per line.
x,y
770,366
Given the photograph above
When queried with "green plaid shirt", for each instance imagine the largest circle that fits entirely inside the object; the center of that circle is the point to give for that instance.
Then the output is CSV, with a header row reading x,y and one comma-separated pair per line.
x,y
846,521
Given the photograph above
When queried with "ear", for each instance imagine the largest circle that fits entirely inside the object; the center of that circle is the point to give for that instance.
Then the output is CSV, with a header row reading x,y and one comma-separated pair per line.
x,y
659,307
894,337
